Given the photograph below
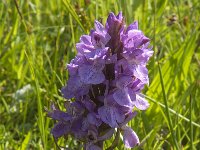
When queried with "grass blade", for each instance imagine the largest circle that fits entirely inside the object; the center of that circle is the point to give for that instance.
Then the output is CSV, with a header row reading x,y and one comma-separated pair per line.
x,y
167,110
73,13
26,141
191,127
172,111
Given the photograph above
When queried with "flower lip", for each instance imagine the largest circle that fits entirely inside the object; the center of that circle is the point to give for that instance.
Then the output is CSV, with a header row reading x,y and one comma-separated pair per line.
x,y
130,138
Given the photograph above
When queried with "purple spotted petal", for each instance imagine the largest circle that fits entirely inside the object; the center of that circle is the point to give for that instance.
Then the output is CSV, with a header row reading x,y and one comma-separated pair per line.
x,y
123,98
132,39
141,103
85,125
72,68
98,40
110,101
119,16
89,104
137,85
133,26
141,73
60,129
86,50
74,64
129,117
77,107
86,39
75,87
111,115
91,53
137,56
101,30
124,81
59,115
99,27
90,75
100,53
76,126
99,37
130,138
133,57
119,114
94,119
145,55
107,116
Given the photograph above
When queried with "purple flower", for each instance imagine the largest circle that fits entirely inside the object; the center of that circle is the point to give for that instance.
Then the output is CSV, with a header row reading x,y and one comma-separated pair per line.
x,y
105,81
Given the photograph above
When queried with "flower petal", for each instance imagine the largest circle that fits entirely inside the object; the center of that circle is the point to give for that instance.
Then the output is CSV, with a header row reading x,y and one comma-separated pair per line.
x,y
89,104
123,98
140,102
133,26
111,115
123,81
141,73
107,116
130,138
89,75
98,26
93,119
129,117
86,39
74,87
59,115
60,129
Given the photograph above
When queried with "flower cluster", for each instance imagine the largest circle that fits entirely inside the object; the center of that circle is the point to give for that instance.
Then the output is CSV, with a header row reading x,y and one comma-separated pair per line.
x,y
106,78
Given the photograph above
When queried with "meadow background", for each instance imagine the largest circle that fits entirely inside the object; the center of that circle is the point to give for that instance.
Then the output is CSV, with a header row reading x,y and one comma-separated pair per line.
x,y
37,39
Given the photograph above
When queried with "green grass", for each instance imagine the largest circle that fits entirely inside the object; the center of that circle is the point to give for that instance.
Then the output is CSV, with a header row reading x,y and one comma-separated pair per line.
x,y
38,39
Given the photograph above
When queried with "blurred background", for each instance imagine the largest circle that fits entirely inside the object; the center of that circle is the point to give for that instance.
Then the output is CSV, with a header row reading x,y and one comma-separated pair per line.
x,y
37,39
